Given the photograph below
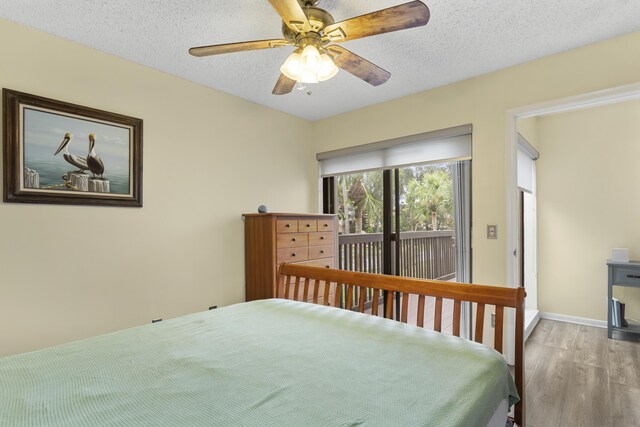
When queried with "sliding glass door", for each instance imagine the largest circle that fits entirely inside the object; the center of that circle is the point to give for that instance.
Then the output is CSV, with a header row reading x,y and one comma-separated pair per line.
x,y
410,221
359,205
404,207
430,217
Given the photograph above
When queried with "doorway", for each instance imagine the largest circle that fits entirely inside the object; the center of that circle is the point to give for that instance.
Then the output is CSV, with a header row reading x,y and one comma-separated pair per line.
x,y
528,276
527,225
599,98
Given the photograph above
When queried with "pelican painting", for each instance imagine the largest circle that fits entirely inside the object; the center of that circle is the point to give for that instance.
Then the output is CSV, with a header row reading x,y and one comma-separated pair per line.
x,y
98,162
93,161
76,161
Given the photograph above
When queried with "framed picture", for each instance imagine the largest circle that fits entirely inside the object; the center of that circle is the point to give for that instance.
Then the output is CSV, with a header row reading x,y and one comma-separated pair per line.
x,y
56,152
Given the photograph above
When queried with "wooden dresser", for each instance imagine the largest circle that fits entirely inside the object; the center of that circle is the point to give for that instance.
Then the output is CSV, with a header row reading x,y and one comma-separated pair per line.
x,y
273,238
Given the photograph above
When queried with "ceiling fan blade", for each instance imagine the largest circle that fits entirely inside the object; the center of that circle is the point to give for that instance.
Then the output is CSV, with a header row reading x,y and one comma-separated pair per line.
x,y
292,14
283,86
217,49
358,66
401,17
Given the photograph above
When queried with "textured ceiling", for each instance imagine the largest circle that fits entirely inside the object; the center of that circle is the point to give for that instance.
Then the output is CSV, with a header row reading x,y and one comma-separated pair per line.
x,y
464,38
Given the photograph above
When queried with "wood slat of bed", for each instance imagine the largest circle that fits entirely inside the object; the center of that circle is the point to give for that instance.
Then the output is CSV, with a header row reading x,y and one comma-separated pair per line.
x,y
420,319
327,290
497,340
362,300
375,302
479,325
456,317
296,289
437,316
404,312
316,290
388,309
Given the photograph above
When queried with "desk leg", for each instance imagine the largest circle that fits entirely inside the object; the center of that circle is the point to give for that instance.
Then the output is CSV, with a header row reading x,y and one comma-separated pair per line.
x,y
609,297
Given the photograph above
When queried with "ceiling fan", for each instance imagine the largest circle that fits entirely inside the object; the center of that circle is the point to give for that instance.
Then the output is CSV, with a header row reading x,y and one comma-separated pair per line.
x,y
312,30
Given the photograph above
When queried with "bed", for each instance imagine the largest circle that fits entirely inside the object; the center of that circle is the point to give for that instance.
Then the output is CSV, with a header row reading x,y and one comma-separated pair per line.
x,y
276,362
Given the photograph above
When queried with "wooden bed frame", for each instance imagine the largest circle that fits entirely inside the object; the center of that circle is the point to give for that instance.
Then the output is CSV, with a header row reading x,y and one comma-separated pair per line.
x,y
318,285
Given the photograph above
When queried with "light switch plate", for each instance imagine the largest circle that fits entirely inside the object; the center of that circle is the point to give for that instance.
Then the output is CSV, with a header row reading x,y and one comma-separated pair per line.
x,y
492,231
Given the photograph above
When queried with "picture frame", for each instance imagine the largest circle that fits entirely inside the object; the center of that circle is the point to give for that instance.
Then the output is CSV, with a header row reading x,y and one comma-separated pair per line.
x,y
45,160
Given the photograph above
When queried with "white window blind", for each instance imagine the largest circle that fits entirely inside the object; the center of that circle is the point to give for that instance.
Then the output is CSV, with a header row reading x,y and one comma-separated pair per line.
x,y
446,145
527,155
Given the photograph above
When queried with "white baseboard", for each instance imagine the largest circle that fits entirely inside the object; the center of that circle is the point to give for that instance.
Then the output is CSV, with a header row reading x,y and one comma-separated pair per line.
x,y
573,319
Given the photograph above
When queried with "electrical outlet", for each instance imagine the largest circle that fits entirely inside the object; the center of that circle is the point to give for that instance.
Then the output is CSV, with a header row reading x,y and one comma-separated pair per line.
x,y
212,307
159,319
492,231
493,320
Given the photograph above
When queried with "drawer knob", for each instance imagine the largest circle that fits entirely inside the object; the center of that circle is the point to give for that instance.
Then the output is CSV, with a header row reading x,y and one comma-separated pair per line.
x,y
326,266
287,225
322,251
321,237
308,225
326,225
293,239
293,254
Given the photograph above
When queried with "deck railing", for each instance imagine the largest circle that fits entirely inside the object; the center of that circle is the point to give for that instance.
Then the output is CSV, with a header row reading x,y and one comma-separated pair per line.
x,y
423,254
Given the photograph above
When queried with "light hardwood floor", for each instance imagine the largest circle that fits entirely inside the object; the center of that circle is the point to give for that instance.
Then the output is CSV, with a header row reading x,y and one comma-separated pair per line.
x,y
576,376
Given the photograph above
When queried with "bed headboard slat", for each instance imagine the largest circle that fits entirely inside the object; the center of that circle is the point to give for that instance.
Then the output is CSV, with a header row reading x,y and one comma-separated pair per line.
x,y
437,315
499,327
420,319
374,302
404,310
316,290
456,317
479,325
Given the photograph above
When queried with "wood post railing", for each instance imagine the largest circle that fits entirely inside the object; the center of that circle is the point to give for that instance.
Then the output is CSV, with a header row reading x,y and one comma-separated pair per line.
x,y
423,254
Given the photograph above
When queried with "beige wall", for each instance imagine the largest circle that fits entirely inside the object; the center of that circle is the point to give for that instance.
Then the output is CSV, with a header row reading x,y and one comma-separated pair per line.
x,y
483,102
183,251
68,272
587,204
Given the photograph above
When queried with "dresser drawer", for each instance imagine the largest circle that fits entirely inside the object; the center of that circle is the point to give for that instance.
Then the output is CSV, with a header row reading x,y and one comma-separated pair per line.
x,y
324,251
626,276
286,226
325,263
307,225
316,239
292,240
292,254
325,225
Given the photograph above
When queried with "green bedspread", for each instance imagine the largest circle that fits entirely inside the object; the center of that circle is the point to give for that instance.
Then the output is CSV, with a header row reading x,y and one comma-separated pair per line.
x,y
263,363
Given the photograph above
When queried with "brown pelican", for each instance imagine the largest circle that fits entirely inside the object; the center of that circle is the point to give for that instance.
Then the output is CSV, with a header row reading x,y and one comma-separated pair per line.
x,y
94,162
76,161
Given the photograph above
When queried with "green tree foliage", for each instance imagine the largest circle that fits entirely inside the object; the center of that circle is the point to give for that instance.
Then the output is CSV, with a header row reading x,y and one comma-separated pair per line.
x,y
426,200
360,202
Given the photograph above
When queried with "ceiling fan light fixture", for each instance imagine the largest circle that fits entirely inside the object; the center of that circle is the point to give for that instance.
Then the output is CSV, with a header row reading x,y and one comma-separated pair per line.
x,y
309,77
327,68
310,57
309,66
292,66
